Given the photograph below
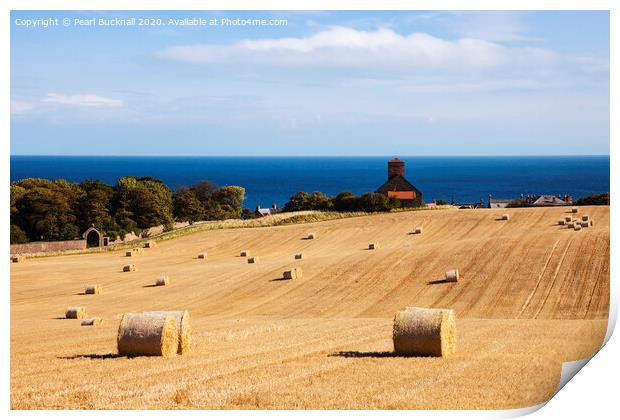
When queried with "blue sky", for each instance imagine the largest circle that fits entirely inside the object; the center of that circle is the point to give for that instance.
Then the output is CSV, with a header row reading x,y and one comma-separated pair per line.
x,y
326,83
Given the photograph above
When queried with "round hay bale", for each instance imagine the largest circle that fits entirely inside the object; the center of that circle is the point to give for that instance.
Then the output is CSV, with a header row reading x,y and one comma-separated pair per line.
x,y
292,273
75,312
568,218
585,217
299,256
505,217
253,260
91,322
162,280
585,224
150,244
452,275
574,210
571,225
577,226
202,256
94,289
129,254
140,334
373,245
183,327
561,222
311,235
424,332
129,268
418,230
18,258
244,253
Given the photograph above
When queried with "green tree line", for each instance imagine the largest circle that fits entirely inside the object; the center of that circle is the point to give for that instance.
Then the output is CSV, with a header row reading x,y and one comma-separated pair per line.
x,y
44,210
345,201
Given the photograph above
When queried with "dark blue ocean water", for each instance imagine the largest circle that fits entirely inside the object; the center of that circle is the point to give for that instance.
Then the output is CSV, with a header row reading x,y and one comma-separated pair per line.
x,y
275,179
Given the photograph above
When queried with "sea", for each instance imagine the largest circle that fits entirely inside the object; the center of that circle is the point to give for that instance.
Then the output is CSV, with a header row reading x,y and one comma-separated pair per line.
x,y
269,180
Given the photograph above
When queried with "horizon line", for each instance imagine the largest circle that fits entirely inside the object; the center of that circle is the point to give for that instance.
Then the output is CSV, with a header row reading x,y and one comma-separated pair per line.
x,y
309,156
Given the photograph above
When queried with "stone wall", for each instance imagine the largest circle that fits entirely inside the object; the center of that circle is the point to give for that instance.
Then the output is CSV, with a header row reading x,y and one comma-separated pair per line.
x,y
56,246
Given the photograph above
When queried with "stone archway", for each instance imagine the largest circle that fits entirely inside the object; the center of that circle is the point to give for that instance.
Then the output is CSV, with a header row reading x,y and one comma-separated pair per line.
x,y
93,238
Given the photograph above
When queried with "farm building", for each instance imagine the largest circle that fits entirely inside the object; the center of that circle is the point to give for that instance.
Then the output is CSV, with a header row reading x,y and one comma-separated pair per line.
x,y
549,200
498,204
397,185
267,211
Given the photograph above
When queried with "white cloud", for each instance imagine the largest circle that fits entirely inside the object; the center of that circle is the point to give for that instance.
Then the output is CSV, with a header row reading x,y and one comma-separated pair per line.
x,y
86,100
21,107
347,47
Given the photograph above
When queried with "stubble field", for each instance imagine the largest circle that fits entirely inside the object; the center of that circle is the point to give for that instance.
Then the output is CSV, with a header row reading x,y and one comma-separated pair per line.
x,y
532,295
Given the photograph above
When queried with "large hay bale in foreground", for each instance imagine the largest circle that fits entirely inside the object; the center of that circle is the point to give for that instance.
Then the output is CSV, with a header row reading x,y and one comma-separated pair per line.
x,y
150,244
162,280
75,312
311,235
418,230
574,210
202,256
452,275
299,256
18,258
129,268
293,273
253,260
141,334
91,322
183,327
374,245
505,216
424,332
244,253
93,289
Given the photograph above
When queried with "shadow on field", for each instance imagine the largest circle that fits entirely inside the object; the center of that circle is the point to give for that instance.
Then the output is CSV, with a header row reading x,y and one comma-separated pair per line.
x,y
363,354
92,356
150,285
440,281
280,279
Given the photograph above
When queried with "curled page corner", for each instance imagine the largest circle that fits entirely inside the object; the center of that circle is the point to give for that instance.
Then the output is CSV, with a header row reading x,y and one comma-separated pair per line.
x,y
570,369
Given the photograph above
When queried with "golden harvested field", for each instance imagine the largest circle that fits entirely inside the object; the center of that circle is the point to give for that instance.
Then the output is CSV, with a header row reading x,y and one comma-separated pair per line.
x,y
532,294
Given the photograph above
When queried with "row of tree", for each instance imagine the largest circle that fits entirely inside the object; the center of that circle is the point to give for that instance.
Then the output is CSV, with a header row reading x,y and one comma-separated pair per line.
x,y
59,210
345,201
